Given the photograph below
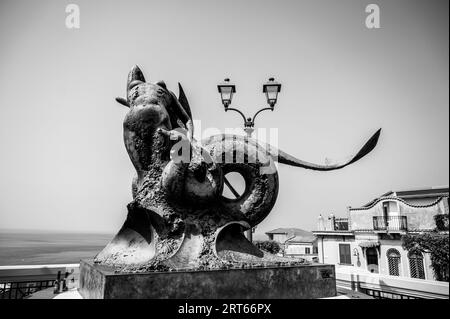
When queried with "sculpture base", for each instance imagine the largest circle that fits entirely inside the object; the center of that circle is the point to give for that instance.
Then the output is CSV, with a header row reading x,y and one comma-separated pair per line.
x,y
291,282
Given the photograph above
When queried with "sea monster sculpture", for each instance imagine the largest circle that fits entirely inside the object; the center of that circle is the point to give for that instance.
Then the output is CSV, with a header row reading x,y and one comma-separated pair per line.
x,y
178,218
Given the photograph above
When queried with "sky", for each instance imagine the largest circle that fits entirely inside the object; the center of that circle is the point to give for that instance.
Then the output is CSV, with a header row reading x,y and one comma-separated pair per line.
x,y
63,165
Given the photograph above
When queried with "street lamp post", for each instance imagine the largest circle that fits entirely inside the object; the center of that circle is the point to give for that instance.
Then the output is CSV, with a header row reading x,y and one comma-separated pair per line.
x,y
270,89
226,89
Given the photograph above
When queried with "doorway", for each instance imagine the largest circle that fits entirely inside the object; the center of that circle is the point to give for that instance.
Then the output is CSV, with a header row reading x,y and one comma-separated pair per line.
x,y
372,260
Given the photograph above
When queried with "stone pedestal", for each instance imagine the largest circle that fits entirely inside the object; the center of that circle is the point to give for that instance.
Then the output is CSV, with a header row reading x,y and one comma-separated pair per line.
x,y
290,282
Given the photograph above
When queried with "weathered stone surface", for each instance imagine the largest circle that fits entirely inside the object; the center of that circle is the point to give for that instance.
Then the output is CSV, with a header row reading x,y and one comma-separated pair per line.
x,y
290,282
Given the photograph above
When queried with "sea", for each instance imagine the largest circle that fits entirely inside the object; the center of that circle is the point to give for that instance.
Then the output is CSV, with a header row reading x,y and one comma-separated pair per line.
x,y
44,247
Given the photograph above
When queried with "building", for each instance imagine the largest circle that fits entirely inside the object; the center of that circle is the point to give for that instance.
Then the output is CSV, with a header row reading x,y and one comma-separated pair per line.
x,y
303,247
296,242
369,238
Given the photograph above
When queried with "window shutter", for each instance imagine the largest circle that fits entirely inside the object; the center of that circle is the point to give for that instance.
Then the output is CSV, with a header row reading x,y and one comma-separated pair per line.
x,y
347,254
416,265
341,256
344,254
394,259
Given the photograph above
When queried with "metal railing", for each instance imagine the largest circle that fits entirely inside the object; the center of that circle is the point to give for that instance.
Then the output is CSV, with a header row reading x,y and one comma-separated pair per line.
x,y
390,223
341,224
20,290
18,282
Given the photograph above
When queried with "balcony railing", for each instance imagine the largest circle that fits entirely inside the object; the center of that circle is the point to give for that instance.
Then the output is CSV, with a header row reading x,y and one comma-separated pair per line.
x,y
341,224
390,223
18,282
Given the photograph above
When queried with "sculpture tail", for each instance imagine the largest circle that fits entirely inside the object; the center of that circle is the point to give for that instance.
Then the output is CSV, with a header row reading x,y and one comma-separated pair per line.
x,y
287,159
252,161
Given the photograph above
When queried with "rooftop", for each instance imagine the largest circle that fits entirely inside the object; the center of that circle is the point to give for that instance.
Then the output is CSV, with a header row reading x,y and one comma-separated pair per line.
x,y
424,192
302,239
296,235
290,231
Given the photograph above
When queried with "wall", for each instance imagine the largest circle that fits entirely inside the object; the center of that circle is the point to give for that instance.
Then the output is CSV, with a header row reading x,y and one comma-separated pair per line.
x,y
420,218
330,244
404,262
349,278
330,248
281,238
363,219
33,273
299,250
421,201
296,282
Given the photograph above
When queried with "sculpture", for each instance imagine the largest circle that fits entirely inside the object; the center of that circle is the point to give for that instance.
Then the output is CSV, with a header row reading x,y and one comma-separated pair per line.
x,y
178,218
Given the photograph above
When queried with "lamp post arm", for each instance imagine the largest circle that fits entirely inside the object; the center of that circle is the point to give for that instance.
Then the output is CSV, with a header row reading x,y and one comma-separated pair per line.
x,y
236,110
263,109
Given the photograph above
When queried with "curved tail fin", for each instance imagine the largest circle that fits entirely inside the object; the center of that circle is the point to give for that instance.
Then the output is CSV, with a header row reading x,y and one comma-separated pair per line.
x,y
287,159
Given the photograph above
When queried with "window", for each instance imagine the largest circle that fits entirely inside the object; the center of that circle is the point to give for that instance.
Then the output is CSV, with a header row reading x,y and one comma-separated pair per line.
x,y
307,250
344,254
394,259
315,250
416,265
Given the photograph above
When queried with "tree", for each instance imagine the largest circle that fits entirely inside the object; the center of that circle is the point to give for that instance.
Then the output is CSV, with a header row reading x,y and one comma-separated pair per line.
x,y
437,245
268,245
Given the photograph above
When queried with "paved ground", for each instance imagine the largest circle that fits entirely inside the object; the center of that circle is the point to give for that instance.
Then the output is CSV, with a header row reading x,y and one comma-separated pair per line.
x,y
48,294
350,294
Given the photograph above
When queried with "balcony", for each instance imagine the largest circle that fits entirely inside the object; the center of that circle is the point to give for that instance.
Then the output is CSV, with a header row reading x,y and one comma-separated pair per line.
x,y
390,223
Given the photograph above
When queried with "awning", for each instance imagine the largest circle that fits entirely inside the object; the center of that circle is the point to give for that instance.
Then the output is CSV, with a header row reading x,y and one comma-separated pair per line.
x,y
368,244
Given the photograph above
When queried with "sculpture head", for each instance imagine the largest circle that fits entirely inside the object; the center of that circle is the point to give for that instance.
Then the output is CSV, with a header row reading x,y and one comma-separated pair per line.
x,y
152,107
150,101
